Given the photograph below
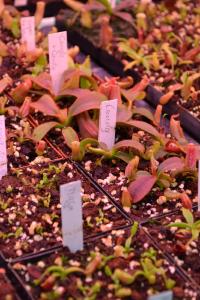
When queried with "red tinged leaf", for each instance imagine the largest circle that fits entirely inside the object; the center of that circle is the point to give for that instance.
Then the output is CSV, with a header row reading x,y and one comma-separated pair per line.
x,y
173,147
142,111
131,168
72,79
40,131
171,164
87,127
191,157
132,94
25,108
21,91
166,98
125,17
176,130
143,126
123,114
70,136
111,89
4,83
158,114
141,86
186,201
43,81
191,54
46,105
126,200
175,87
125,4
139,188
40,148
135,145
86,100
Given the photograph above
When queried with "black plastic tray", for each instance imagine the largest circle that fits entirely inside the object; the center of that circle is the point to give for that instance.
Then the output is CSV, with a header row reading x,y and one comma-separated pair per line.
x,y
21,285
116,68
124,215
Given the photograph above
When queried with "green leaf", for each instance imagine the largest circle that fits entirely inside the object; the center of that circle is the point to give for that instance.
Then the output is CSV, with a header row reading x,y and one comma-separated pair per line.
x,y
124,46
126,157
85,83
170,283
40,65
70,136
85,66
134,228
108,271
106,4
40,131
15,28
143,126
134,145
188,216
143,112
179,225
195,233
88,141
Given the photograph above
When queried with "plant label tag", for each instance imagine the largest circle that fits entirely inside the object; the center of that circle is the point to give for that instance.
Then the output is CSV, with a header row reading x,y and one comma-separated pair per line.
x,y
199,186
20,2
71,213
57,58
28,32
107,123
113,3
47,22
3,151
168,295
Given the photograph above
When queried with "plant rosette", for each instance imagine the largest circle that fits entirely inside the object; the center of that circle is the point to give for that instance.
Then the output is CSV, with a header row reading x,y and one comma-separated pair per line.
x,y
178,235
30,209
123,264
157,183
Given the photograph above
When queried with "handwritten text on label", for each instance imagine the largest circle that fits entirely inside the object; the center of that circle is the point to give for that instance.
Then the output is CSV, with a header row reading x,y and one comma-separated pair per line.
x,y
57,58
3,152
28,32
71,211
107,123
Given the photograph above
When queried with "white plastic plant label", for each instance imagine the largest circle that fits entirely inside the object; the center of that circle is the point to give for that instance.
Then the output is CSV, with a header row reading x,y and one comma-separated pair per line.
x,y
199,186
71,213
168,295
20,2
28,32
3,151
57,58
107,123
